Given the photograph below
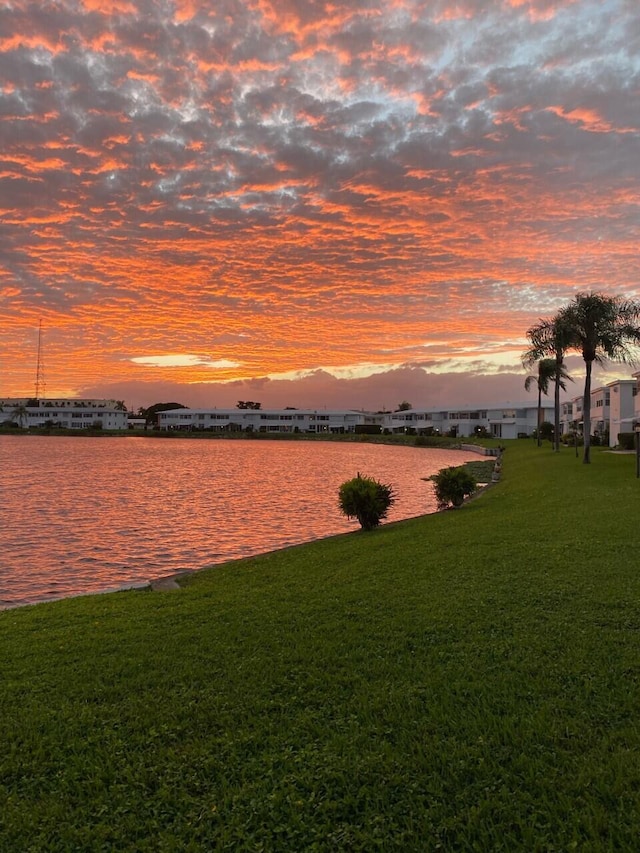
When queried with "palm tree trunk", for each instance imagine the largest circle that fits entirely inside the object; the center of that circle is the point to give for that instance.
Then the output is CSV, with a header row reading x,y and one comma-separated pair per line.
x,y
586,414
539,413
556,407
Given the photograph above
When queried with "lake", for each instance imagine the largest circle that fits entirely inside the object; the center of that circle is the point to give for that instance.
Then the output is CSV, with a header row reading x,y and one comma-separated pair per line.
x,y
82,514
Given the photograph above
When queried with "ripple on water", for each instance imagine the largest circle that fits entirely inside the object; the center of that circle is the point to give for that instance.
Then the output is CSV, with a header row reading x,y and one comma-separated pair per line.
x,y
93,514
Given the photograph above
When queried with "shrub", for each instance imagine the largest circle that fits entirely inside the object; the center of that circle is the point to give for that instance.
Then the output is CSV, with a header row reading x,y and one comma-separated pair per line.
x,y
570,439
627,440
366,499
452,485
546,431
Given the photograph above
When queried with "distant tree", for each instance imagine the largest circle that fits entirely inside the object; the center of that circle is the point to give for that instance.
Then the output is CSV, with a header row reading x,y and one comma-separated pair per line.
x,y
404,406
248,404
20,414
120,406
151,414
547,371
545,431
550,339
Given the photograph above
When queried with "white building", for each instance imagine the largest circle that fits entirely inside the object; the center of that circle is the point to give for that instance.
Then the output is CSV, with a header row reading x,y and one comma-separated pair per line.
x,y
63,413
509,421
613,410
577,405
636,404
600,411
566,417
315,421
622,397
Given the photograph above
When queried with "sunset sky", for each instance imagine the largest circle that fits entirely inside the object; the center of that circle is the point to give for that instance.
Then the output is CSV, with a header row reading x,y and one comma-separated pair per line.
x,y
307,202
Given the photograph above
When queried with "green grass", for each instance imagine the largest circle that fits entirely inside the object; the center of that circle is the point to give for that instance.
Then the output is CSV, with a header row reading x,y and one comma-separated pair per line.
x,y
464,681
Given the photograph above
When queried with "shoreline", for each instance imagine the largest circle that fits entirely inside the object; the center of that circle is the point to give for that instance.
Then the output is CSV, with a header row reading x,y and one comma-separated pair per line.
x,y
170,582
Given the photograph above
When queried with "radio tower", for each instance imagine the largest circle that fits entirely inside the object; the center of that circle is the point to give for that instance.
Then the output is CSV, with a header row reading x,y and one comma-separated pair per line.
x,y
39,371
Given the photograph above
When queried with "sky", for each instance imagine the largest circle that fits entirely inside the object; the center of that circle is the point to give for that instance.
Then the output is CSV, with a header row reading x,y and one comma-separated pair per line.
x,y
309,202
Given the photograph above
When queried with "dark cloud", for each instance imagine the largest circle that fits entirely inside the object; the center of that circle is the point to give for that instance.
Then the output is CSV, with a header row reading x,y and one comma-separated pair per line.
x,y
422,387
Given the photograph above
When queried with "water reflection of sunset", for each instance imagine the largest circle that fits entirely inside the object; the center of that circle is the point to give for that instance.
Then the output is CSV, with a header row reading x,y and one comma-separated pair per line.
x,y
189,504
272,190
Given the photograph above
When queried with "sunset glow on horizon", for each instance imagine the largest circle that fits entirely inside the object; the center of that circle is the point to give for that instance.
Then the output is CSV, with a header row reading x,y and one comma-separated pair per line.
x,y
293,200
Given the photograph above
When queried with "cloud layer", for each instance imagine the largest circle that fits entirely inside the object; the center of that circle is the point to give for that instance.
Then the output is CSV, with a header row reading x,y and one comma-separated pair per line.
x,y
202,191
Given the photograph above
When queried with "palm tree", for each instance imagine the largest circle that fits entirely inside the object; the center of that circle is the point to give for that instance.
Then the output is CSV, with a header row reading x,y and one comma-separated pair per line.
x,y
20,412
600,327
545,374
550,339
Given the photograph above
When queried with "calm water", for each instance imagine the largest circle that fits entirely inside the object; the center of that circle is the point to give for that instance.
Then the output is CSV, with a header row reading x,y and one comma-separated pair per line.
x,y
84,515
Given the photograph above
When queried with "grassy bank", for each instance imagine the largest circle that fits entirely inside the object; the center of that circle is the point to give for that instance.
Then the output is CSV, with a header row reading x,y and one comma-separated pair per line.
x,y
463,681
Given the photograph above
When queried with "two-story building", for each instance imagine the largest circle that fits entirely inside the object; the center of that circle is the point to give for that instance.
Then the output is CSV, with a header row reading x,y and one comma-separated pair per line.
x,y
622,401
64,413
600,411
566,417
508,421
315,421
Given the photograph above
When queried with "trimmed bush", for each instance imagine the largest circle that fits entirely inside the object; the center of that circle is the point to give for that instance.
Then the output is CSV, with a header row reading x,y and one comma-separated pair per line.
x,y
366,499
452,485
627,440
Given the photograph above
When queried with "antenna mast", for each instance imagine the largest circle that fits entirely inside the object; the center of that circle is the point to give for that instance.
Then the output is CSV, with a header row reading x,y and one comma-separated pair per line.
x,y
39,373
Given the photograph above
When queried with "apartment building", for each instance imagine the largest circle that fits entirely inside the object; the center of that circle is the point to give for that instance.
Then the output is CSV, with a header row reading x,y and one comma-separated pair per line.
x,y
316,421
566,417
622,401
509,421
600,411
63,412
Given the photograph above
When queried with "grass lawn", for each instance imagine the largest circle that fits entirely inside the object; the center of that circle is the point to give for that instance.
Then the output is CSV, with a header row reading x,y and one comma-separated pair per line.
x,y
464,681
